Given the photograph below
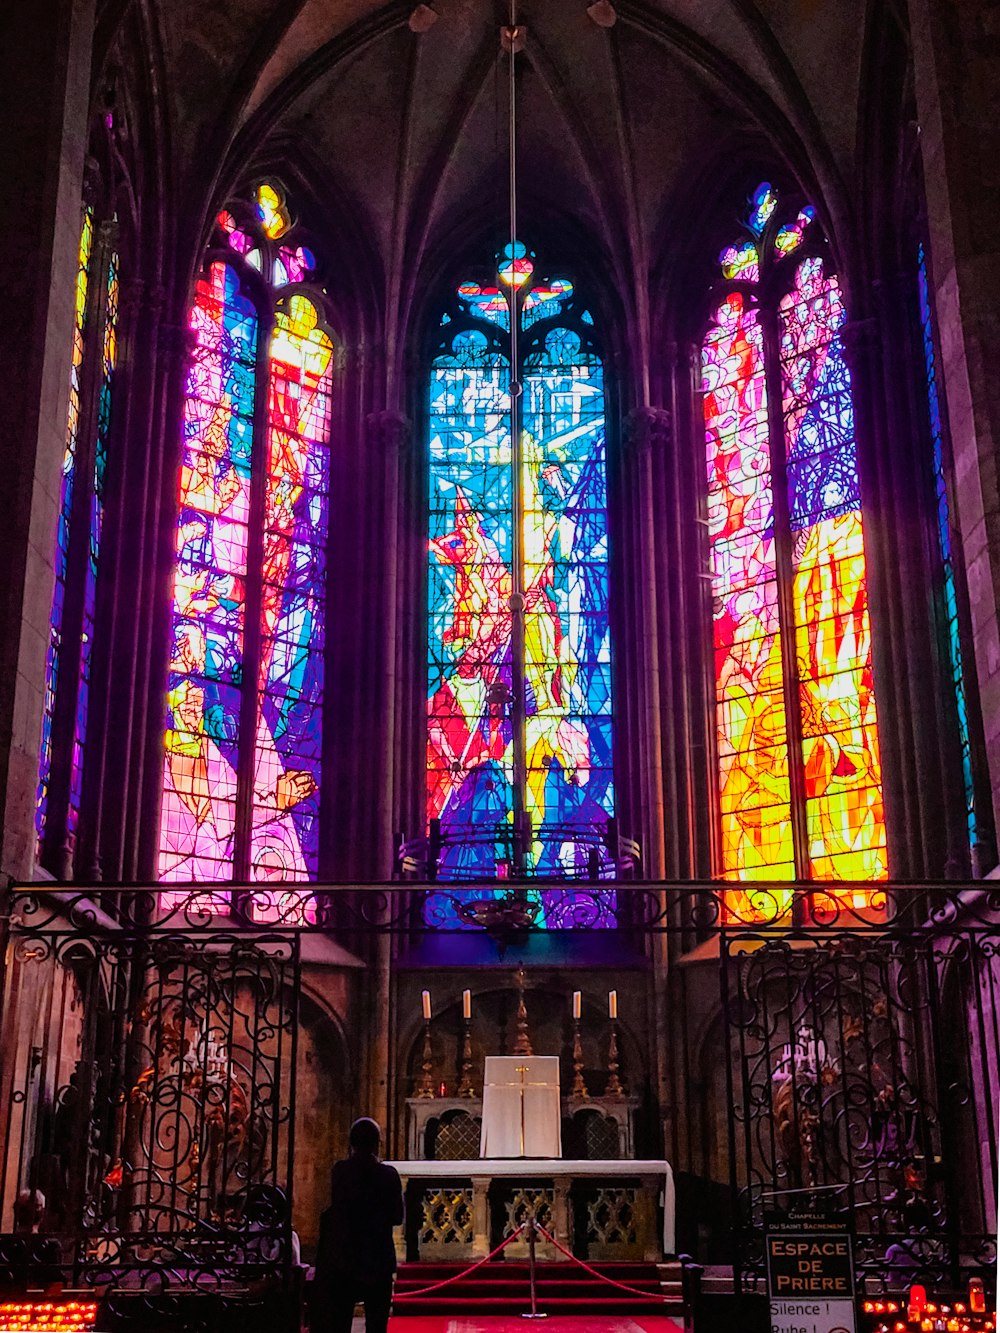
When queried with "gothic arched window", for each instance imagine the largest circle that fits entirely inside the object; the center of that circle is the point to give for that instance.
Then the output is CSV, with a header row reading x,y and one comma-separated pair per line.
x,y
797,735
243,746
78,542
519,709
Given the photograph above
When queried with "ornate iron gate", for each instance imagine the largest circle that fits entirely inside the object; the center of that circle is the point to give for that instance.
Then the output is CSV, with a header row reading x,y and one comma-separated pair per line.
x,y
864,1052
148,1095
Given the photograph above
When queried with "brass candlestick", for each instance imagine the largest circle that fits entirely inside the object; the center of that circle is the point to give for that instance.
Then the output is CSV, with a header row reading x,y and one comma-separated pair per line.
x,y
425,1088
579,1088
522,1045
465,1088
614,1088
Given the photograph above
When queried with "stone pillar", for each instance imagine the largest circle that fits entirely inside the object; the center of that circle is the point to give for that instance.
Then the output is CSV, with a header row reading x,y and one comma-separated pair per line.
x,y
45,57
956,61
388,435
647,431
648,437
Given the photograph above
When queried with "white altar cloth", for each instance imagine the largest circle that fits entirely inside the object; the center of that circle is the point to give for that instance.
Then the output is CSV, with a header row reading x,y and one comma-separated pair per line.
x,y
556,1168
521,1107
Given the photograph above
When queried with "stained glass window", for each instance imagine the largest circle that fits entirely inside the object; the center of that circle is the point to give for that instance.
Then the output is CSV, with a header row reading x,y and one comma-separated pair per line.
x,y
950,587
473,642
243,747
797,734
78,535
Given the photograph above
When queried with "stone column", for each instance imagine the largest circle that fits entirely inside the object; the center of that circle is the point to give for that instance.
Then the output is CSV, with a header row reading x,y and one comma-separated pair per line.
x,y
647,431
956,61
388,434
45,57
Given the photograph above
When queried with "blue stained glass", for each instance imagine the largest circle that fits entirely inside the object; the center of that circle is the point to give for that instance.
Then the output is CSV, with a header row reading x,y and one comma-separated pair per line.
x,y
944,540
567,686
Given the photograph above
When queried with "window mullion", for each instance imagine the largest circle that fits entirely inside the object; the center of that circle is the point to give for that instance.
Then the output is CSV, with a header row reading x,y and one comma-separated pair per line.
x,y
253,605
784,567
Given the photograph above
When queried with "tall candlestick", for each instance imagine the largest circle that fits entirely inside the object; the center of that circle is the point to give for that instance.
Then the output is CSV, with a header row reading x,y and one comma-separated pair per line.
x,y
425,1088
577,998
465,1088
522,1046
614,1088
579,1087
425,997
612,1004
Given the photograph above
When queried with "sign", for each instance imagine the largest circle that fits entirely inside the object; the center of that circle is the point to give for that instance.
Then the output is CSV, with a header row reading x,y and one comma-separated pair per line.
x,y
810,1273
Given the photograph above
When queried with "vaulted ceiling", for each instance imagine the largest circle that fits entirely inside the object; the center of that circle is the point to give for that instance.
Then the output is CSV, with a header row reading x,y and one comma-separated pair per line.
x,y
621,128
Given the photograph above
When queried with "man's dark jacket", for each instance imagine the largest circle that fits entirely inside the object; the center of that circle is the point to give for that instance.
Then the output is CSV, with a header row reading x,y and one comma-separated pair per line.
x,y
355,1232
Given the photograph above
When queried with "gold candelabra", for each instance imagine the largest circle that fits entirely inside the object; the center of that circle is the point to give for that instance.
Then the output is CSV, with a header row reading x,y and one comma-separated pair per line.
x,y
465,1088
425,1088
579,1088
522,1045
614,1088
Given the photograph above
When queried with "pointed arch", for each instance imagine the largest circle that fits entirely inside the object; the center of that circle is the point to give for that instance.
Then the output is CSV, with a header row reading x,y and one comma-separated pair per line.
x,y
473,800
243,741
797,733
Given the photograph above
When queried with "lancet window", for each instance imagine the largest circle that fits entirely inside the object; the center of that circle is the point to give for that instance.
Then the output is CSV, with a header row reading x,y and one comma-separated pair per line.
x,y
242,769
799,772
519,721
78,542
946,553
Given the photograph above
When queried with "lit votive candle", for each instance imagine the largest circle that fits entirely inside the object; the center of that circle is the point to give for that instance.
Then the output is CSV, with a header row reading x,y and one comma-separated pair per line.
x,y
577,1001
612,1004
425,997
466,1004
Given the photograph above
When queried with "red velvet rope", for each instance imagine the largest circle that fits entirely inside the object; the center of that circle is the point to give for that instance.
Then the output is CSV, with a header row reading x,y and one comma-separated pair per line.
x,y
646,1295
422,1291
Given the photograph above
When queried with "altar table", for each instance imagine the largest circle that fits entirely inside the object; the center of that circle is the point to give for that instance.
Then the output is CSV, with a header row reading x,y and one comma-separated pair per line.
x,y
459,1219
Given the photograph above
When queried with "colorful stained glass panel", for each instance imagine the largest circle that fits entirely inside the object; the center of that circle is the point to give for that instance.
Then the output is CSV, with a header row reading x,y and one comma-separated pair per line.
x,y
840,750
565,574
945,544
66,493
206,666
288,750
751,734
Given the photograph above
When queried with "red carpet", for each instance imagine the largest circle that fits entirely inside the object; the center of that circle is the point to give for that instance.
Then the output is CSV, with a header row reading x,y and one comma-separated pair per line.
x,y
501,1290
554,1324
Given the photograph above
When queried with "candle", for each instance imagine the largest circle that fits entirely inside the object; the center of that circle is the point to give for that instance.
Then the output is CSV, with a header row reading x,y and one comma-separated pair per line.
x,y
466,1004
612,1004
576,1003
426,998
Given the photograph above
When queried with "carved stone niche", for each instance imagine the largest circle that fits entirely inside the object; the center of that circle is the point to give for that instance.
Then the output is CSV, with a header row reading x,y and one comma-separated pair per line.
x,y
443,1129
597,1129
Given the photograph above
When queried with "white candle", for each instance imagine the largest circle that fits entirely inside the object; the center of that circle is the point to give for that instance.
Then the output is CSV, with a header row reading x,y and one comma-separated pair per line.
x,y
612,1004
466,1004
576,1004
426,998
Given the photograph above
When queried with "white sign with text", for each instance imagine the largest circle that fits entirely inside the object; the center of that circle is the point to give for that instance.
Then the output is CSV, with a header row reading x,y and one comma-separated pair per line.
x,y
812,1316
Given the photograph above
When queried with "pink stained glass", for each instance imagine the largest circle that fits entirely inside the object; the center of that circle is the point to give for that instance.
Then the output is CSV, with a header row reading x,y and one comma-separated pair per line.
x,y
198,812
751,734
288,749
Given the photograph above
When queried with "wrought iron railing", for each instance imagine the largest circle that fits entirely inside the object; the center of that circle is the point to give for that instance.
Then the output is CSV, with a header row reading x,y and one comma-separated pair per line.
x,y
150,1045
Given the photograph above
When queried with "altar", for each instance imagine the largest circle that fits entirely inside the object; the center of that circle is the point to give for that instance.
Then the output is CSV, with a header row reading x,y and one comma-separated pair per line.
x,y
615,1209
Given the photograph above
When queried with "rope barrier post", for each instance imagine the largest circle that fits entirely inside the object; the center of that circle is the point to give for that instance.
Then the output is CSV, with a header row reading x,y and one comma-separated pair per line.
x,y
532,1228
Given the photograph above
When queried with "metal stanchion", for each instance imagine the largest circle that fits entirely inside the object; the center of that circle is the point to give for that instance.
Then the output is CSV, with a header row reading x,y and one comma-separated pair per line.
x,y
534,1312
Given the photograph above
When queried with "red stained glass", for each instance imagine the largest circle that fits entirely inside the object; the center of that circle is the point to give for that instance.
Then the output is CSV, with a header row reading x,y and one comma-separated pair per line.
x,y
836,787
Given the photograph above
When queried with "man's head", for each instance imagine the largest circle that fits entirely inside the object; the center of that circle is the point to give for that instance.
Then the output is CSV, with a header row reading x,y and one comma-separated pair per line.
x,y
365,1136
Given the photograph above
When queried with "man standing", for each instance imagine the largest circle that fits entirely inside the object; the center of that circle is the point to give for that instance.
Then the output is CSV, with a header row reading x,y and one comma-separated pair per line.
x,y
356,1258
